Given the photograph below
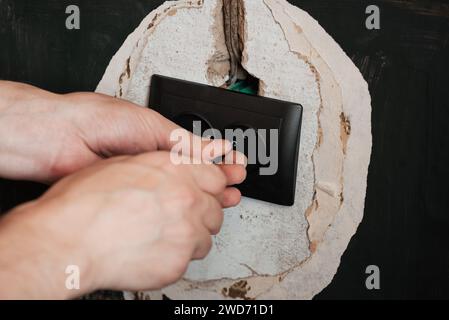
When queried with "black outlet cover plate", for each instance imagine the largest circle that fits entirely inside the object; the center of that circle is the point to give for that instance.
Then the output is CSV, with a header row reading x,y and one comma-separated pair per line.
x,y
181,101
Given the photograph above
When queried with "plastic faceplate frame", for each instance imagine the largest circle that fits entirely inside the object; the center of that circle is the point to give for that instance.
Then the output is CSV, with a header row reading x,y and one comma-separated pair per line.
x,y
182,101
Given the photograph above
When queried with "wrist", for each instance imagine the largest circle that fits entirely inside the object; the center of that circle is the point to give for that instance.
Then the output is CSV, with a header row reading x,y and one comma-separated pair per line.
x,y
5,98
38,260
26,114
18,99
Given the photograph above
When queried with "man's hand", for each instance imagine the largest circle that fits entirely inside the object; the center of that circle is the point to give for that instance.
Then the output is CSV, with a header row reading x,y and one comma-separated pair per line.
x,y
45,136
129,223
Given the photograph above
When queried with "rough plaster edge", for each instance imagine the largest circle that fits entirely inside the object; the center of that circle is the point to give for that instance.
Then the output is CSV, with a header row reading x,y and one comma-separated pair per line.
x,y
320,269
122,65
328,183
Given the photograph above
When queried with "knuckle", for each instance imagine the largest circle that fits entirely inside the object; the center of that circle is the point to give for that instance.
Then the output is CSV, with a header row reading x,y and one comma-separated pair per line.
x,y
207,247
218,222
180,263
177,266
62,167
186,197
220,178
173,275
187,231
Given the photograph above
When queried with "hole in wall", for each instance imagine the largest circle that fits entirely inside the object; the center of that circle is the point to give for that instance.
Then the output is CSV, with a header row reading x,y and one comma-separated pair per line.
x,y
249,85
233,12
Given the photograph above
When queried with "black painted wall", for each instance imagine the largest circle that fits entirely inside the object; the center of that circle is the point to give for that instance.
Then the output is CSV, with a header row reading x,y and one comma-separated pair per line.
x,y
405,230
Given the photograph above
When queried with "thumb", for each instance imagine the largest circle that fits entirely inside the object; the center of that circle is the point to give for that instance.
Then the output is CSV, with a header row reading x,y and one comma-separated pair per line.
x,y
171,137
125,128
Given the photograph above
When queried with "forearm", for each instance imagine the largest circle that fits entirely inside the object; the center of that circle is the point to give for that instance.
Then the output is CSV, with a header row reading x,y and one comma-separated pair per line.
x,y
33,259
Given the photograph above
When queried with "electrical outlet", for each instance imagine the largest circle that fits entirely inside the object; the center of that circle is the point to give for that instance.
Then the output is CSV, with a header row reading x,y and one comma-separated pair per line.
x,y
269,130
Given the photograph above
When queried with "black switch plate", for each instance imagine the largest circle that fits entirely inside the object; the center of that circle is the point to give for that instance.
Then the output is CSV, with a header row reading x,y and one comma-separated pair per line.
x,y
185,102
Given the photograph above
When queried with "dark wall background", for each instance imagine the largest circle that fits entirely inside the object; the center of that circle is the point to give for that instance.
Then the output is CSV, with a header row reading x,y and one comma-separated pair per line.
x,y
405,230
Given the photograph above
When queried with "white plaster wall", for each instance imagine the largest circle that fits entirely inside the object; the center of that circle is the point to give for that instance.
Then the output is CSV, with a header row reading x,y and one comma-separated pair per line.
x,y
296,60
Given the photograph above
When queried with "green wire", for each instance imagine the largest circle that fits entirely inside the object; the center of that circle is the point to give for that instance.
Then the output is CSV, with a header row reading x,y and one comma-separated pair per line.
x,y
244,87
